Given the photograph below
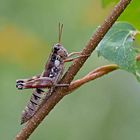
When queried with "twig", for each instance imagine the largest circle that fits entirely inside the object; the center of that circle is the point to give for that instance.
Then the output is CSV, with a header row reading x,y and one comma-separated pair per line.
x,y
91,76
72,71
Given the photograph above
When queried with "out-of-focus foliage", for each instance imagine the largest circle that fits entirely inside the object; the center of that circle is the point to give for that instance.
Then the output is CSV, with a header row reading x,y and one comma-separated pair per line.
x,y
130,14
107,2
105,109
37,16
14,44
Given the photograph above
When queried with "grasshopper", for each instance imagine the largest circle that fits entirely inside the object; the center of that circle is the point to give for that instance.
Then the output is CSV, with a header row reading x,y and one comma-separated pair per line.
x,y
48,79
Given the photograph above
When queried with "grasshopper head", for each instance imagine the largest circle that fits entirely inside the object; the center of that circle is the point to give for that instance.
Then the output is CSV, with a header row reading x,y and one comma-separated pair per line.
x,y
60,50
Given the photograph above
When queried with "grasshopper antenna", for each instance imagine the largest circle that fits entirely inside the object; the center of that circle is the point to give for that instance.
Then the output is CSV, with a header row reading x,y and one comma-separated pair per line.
x,y
60,32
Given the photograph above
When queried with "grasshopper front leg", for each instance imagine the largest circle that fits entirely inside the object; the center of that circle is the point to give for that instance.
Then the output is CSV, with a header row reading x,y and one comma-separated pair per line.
x,y
69,58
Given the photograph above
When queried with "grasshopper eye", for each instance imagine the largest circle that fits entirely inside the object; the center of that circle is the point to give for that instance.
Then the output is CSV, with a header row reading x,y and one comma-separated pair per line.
x,y
56,47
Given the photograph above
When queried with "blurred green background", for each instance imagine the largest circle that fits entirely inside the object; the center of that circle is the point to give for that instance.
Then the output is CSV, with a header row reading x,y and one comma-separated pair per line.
x,y
105,109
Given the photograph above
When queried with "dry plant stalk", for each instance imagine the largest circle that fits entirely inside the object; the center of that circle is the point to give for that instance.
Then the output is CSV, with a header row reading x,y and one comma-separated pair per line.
x,y
31,125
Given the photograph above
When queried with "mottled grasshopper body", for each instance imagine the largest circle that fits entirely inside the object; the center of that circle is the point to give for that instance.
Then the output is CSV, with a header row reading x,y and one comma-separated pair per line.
x,y
48,79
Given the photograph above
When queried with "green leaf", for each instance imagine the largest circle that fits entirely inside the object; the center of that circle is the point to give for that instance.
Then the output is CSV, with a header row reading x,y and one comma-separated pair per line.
x,y
117,47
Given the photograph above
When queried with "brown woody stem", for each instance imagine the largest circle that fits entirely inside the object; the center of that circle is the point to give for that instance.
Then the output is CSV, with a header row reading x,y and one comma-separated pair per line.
x,y
31,125
91,76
